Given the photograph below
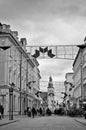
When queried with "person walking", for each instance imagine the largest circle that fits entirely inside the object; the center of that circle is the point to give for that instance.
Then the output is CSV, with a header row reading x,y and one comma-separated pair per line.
x,y
40,110
33,112
1,111
28,111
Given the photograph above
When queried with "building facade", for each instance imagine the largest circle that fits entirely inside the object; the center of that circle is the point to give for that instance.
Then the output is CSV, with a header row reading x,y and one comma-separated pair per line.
x,y
17,70
69,88
44,96
79,68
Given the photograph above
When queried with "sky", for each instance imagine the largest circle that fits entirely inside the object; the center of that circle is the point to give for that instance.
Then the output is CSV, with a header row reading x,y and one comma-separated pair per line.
x,y
47,22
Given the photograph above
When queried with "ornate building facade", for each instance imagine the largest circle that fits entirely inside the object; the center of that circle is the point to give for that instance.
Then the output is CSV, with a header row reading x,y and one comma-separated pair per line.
x,y
69,88
18,70
79,68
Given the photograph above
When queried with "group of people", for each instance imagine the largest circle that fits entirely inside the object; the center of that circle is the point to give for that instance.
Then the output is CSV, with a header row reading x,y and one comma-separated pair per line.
x,y
1,111
34,112
31,112
59,111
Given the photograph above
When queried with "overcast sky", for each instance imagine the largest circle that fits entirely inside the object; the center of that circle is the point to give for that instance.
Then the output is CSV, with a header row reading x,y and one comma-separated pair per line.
x,y
47,22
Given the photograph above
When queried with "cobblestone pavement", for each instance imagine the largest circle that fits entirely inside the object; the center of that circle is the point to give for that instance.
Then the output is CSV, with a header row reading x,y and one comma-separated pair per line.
x,y
6,120
46,123
81,120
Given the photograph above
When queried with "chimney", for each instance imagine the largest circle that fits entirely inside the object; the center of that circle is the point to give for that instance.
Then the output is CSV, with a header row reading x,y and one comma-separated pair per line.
x,y
15,34
5,28
23,43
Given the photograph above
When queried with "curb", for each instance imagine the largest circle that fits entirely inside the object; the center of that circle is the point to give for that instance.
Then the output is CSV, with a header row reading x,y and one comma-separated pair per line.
x,y
80,122
6,123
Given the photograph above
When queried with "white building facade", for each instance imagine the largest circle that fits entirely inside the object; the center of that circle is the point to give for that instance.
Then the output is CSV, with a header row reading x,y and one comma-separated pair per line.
x,y
79,68
69,88
16,67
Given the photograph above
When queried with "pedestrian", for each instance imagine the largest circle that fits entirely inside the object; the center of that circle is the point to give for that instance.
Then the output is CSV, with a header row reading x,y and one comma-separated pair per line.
x,y
48,112
40,110
1,111
25,112
33,112
28,111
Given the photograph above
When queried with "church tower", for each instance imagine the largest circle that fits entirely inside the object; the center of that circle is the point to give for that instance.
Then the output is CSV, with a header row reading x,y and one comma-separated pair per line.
x,y
50,90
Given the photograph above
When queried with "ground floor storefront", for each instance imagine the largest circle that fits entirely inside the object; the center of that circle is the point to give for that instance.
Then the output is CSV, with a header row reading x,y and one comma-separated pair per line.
x,y
16,102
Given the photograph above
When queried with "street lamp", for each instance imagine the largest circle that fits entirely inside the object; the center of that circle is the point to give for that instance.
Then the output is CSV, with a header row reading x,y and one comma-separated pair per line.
x,y
11,101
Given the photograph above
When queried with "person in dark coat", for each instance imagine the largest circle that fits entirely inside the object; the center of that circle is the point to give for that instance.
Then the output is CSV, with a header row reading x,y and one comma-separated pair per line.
x,y
40,110
1,111
48,112
28,111
25,112
33,112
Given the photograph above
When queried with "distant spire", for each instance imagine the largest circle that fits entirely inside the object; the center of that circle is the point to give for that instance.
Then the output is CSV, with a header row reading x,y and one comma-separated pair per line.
x,y
50,84
50,79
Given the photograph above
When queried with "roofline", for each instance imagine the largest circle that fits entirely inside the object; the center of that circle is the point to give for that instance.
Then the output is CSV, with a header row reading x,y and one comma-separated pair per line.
x,y
35,60
76,57
17,44
68,73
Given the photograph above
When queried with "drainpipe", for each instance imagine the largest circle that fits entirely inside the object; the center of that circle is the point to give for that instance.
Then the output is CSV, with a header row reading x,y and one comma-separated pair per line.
x,y
81,75
20,80
27,85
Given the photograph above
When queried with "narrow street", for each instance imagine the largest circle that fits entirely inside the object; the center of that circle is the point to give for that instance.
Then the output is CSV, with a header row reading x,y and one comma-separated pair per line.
x,y
45,123
43,64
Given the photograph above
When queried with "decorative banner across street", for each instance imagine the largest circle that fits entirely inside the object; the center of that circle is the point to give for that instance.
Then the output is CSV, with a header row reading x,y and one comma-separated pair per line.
x,y
58,52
